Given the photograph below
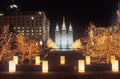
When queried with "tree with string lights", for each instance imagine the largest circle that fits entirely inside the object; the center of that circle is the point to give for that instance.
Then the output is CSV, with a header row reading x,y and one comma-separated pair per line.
x,y
7,48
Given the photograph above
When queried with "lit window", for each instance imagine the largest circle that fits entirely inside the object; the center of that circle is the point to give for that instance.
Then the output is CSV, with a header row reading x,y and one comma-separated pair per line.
x,y
18,27
23,34
39,30
32,17
22,30
18,30
27,34
40,13
31,30
39,33
32,33
23,27
36,30
14,27
27,30
40,27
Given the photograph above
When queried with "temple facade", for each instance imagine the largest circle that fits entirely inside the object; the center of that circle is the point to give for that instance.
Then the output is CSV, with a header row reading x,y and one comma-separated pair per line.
x,y
64,36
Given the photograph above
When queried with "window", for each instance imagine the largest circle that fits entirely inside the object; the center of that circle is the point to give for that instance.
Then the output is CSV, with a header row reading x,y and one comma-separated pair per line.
x,y
14,27
36,30
39,30
27,34
27,30
40,27
32,18
22,30
39,33
18,30
18,27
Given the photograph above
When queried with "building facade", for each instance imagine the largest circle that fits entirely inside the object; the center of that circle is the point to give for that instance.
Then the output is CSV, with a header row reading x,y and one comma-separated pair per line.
x,y
33,24
64,36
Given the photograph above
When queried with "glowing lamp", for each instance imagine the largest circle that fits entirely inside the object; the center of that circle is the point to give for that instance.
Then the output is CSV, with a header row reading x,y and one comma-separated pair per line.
x,y
81,66
37,60
87,60
12,66
44,66
62,60
112,58
115,66
15,59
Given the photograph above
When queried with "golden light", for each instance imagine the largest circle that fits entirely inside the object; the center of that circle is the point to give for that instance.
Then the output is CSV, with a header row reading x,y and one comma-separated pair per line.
x,y
87,60
15,59
112,58
62,60
81,66
115,66
1,14
12,66
37,60
44,66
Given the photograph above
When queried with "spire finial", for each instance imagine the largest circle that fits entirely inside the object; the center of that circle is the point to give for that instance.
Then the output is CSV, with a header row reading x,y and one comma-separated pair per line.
x,y
70,27
63,26
63,21
57,27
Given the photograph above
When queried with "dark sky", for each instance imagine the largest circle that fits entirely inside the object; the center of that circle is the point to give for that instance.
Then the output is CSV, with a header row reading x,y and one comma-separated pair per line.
x,y
78,12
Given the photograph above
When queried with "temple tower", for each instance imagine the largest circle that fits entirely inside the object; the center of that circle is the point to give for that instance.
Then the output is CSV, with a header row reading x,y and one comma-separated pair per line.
x,y
57,36
63,35
70,35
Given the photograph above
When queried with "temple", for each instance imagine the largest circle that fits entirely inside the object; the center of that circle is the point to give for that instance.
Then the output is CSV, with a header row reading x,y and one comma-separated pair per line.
x,y
64,36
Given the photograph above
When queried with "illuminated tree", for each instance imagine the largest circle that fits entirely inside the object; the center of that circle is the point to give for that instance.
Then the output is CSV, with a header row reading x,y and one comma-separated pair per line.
x,y
21,44
27,49
33,49
7,49
77,44
105,43
51,44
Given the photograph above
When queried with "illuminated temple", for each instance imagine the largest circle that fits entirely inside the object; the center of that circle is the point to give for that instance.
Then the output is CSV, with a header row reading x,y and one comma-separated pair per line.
x,y
64,36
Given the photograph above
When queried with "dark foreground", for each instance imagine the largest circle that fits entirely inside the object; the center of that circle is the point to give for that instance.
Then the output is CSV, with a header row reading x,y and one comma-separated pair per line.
x,y
57,71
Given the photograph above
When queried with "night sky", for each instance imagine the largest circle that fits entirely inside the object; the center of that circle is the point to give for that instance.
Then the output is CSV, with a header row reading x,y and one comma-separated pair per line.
x,y
78,12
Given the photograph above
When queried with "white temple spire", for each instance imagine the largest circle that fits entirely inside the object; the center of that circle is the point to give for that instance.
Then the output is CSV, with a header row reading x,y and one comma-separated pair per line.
x,y
57,27
70,27
63,26
63,21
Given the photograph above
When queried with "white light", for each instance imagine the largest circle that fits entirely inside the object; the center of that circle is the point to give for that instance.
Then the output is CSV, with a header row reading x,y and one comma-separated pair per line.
x,y
11,6
40,13
15,59
14,5
81,66
1,14
12,66
32,17
45,66
115,66
41,43
39,33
